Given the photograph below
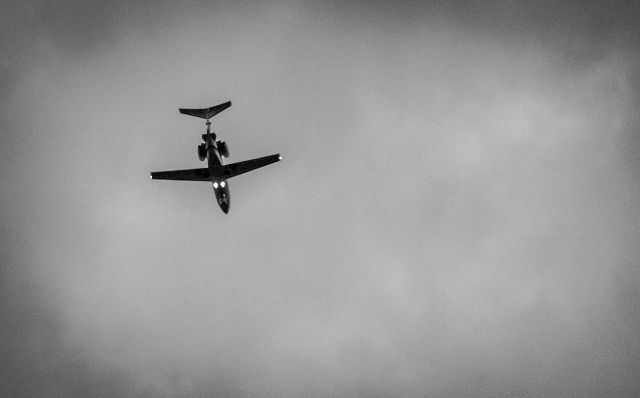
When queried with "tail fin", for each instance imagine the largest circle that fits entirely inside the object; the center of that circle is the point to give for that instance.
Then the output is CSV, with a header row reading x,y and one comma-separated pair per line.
x,y
206,113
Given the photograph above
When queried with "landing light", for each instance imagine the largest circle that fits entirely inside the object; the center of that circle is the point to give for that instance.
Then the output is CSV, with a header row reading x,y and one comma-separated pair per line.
x,y
215,184
222,184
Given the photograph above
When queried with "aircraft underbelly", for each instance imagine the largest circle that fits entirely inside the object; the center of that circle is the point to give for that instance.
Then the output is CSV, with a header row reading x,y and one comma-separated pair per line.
x,y
215,162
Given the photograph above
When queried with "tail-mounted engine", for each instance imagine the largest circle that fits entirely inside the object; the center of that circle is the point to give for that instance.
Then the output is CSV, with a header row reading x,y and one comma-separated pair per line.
x,y
202,152
223,149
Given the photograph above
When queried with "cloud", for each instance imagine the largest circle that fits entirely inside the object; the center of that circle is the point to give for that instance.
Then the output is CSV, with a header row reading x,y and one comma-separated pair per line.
x,y
456,212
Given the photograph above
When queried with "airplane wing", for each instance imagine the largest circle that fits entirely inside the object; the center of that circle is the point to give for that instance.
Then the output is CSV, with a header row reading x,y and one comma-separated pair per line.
x,y
234,169
185,175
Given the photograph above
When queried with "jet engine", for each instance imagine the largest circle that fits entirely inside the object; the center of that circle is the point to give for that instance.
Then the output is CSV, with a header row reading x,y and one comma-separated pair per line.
x,y
223,149
202,152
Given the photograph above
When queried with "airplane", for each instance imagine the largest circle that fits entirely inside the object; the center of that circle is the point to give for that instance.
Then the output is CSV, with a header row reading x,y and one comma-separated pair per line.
x,y
214,151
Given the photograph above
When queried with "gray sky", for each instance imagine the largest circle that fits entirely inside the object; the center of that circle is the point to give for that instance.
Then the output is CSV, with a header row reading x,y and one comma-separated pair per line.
x,y
457,212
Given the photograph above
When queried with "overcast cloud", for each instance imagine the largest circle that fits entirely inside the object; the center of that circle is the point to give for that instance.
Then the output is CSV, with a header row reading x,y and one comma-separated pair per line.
x,y
456,214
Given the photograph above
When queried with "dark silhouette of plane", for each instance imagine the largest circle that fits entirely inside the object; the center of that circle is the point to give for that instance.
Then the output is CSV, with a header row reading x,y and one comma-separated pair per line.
x,y
213,151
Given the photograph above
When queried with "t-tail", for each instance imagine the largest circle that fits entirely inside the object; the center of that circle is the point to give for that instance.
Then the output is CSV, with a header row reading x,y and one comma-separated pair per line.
x,y
206,113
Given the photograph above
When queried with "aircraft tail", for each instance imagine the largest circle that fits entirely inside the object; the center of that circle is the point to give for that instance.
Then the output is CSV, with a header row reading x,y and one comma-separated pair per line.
x,y
206,113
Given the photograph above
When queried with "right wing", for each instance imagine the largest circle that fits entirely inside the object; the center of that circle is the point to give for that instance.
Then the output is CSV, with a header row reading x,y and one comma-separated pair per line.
x,y
234,169
185,175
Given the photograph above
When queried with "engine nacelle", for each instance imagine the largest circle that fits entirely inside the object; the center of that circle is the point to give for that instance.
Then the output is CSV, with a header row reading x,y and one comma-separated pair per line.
x,y
202,152
223,149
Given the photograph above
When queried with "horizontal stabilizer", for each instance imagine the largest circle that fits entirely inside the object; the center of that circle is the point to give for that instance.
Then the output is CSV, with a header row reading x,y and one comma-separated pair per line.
x,y
184,175
234,169
206,113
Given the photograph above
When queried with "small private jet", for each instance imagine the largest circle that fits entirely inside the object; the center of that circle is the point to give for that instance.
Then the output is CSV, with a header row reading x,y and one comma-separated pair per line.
x,y
213,152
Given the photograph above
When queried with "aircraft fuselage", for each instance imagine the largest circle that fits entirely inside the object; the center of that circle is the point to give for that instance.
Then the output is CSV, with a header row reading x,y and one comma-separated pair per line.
x,y
216,171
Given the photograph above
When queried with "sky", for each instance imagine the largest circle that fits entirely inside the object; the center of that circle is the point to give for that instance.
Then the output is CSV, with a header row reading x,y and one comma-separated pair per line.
x,y
457,212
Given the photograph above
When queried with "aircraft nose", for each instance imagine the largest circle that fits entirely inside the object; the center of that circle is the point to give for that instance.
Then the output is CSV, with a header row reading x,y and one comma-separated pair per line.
x,y
225,208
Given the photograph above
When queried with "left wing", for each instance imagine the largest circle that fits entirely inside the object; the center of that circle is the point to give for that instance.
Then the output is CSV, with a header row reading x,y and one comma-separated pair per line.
x,y
234,169
185,175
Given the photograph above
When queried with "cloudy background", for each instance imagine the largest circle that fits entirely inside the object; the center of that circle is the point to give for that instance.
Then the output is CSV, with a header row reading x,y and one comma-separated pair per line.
x,y
457,212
